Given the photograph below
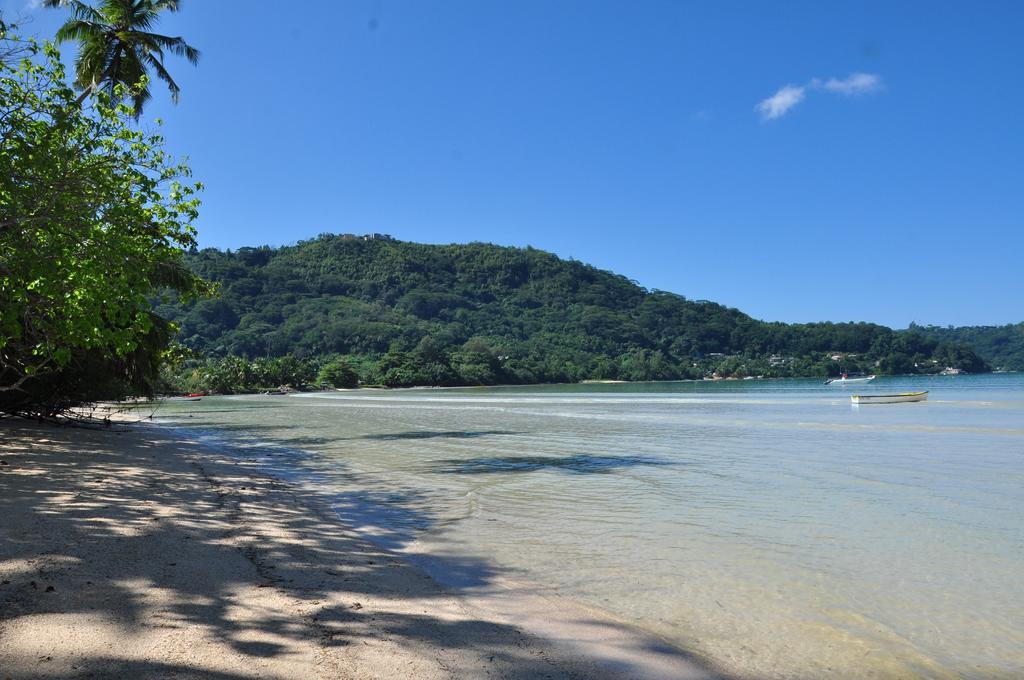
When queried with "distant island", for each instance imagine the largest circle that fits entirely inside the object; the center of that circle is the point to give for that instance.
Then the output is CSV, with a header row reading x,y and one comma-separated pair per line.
x,y
343,310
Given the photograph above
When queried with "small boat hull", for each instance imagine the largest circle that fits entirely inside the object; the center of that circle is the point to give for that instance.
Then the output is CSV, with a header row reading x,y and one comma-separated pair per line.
x,y
888,398
846,381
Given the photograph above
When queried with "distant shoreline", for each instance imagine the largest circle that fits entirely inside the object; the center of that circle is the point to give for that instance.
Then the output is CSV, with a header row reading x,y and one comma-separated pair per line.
x,y
384,388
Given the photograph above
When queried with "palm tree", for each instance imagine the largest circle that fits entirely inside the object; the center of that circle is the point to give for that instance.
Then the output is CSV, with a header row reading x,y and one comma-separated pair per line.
x,y
116,47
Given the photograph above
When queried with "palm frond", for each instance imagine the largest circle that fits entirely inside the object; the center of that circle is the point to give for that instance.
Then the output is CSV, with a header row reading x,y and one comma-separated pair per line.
x,y
116,12
163,75
116,47
174,45
173,275
139,100
79,9
94,56
169,5
77,29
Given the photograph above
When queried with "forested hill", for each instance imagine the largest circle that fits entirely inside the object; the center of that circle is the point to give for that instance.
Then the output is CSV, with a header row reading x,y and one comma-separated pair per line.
x,y
409,313
1000,346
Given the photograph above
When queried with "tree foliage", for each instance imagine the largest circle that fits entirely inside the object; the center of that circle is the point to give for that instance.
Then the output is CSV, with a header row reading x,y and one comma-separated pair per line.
x,y
1000,346
338,372
478,314
94,218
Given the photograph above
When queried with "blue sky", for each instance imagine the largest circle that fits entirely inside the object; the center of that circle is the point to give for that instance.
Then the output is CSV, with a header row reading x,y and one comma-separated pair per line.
x,y
799,160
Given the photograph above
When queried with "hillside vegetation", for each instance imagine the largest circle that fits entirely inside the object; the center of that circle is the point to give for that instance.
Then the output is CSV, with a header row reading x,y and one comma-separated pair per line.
x,y
1001,346
399,313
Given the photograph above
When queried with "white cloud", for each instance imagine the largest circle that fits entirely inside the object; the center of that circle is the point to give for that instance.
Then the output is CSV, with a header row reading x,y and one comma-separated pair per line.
x,y
789,96
782,101
855,83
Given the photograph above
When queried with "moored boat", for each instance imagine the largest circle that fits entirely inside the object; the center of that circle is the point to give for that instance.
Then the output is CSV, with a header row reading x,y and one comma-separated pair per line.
x,y
888,398
849,378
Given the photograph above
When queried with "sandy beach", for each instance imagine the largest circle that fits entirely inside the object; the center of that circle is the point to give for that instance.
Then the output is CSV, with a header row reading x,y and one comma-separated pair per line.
x,y
131,553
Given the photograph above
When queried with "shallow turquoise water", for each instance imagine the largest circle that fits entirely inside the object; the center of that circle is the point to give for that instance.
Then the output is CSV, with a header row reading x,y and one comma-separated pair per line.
x,y
770,526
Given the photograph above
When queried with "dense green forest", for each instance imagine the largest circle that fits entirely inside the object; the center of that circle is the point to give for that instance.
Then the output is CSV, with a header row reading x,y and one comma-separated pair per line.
x,y
341,309
1000,346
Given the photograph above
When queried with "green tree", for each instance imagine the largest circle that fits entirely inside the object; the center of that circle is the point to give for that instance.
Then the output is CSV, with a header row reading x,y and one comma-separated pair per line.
x,y
338,373
116,47
476,363
227,376
94,221
896,363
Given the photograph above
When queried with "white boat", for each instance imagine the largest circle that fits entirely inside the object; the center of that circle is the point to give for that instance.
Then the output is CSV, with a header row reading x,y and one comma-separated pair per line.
x,y
888,398
845,379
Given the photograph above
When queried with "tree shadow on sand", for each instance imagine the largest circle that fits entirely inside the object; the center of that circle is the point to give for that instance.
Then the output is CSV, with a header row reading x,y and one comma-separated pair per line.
x,y
248,549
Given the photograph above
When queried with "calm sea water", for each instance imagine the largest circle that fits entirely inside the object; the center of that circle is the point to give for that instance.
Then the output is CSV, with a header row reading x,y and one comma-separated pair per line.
x,y
770,526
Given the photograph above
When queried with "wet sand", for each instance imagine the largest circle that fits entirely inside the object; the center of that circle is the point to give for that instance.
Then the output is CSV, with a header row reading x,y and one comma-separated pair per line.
x,y
130,553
